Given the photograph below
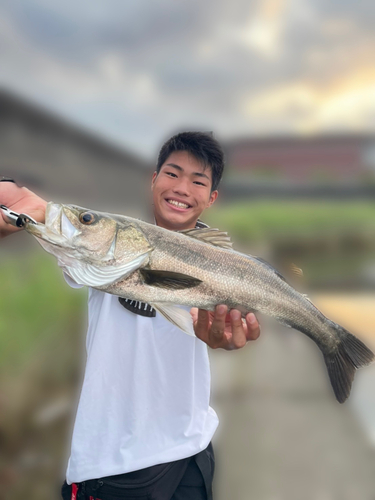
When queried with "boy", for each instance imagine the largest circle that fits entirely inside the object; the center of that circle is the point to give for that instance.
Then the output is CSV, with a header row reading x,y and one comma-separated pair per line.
x,y
144,425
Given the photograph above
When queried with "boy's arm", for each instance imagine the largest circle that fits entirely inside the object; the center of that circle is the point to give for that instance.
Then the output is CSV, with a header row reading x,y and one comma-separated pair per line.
x,y
21,200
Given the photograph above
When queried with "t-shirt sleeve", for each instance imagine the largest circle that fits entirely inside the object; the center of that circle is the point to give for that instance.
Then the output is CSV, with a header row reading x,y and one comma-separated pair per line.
x,y
71,281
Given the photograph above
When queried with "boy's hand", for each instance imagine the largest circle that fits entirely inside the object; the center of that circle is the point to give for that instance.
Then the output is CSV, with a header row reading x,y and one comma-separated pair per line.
x,y
222,330
21,200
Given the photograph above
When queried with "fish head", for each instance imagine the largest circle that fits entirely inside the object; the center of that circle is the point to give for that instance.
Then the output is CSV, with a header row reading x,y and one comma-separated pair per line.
x,y
77,231
77,236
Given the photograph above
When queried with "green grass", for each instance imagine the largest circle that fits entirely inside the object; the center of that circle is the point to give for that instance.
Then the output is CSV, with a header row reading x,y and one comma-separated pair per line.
x,y
35,305
269,220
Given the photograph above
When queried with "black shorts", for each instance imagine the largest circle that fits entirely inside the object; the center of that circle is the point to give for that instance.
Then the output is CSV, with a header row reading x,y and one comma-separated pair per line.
x,y
187,479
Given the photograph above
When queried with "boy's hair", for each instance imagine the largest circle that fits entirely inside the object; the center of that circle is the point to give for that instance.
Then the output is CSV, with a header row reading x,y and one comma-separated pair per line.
x,y
202,145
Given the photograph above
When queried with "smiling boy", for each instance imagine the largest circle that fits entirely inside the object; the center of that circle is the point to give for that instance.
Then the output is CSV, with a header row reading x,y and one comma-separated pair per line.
x,y
182,190
144,425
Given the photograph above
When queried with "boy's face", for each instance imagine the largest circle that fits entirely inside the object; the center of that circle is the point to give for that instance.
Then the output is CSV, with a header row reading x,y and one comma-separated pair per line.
x,y
181,191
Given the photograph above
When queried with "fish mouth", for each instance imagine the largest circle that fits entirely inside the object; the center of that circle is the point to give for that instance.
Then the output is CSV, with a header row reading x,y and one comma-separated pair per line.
x,y
58,223
53,218
67,229
57,228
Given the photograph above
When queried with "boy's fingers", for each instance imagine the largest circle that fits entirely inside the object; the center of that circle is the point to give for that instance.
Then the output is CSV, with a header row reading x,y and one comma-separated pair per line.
x,y
201,320
253,328
218,323
238,330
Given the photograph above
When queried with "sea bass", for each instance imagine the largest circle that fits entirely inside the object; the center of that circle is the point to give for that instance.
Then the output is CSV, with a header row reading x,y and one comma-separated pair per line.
x,y
196,267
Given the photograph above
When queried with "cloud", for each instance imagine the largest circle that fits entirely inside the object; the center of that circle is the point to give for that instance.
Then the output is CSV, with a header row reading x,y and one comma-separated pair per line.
x,y
137,70
347,103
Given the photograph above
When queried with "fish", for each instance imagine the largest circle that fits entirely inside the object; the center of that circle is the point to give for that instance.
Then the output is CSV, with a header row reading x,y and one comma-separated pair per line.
x,y
167,269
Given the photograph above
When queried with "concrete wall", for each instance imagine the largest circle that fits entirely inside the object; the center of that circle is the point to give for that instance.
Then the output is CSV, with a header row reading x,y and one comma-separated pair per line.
x,y
64,163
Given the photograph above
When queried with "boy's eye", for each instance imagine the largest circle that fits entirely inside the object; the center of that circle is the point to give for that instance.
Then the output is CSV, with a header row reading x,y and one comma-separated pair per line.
x,y
199,183
172,174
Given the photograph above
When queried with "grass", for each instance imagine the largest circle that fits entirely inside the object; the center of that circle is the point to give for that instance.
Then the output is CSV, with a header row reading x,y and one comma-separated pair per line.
x,y
268,220
35,305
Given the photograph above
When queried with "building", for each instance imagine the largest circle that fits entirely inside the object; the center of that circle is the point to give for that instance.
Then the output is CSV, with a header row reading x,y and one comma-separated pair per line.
x,y
330,167
324,158
65,163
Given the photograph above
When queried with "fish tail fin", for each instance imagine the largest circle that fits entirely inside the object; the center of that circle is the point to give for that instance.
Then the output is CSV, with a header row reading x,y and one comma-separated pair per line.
x,y
350,355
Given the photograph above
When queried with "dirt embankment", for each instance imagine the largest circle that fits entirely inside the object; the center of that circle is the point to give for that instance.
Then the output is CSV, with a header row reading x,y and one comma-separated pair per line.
x,y
356,312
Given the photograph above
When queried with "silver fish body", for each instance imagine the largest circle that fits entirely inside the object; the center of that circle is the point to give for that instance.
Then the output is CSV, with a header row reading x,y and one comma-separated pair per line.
x,y
227,277
197,268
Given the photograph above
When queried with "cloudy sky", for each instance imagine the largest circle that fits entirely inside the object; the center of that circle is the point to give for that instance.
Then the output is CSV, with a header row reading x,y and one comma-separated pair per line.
x,y
136,71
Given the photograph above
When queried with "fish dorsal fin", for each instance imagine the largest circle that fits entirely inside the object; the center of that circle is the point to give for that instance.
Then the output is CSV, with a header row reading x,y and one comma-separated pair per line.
x,y
271,268
176,315
168,279
307,298
212,236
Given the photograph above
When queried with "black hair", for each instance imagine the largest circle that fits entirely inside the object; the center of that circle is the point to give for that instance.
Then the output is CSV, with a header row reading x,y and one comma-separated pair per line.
x,y
202,145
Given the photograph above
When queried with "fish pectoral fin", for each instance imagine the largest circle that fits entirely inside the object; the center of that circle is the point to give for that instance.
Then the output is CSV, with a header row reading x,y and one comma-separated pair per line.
x,y
95,276
177,316
168,279
209,235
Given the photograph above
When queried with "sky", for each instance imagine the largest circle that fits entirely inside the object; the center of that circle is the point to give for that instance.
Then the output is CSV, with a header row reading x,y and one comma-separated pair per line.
x,y
137,71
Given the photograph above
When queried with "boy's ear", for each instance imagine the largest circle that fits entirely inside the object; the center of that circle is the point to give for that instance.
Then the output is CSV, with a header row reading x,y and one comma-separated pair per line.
x,y
154,175
213,197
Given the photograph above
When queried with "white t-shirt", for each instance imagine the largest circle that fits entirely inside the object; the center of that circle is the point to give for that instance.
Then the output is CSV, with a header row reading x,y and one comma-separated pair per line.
x,y
145,394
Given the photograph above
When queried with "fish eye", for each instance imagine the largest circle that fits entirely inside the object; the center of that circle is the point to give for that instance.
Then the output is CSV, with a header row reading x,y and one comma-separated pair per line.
x,y
87,218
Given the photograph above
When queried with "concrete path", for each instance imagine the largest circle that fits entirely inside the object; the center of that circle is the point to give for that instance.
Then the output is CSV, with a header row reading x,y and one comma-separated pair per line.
x,y
282,436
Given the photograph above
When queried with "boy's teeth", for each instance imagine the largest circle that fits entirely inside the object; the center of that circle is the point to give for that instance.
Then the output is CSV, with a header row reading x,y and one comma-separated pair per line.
x,y
178,204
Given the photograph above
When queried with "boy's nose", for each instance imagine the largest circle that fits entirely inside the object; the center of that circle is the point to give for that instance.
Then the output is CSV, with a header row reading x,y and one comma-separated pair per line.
x,y
181,188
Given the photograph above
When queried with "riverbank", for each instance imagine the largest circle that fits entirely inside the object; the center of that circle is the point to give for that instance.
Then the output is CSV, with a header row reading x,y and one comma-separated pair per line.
x,y
354,311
